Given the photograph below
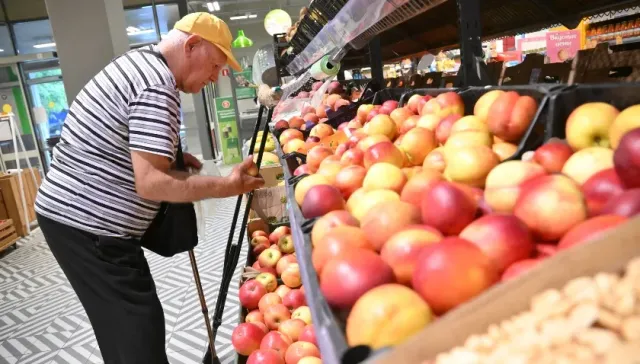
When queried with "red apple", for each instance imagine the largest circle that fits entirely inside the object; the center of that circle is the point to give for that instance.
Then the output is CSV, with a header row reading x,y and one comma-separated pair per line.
x,y
349,179
503,238
277,341
452,272
590,229
299,350
320,200
422,102
552,156
286,244
269,257
443,130
284,262
259,233
262,246
250,294
309,335
600,188
292,328
373,113
386,219
383,152
246,338
259,239
268,280
363,112
276,314
414,103
348,276
265,357
295,122
625,204
282,291
447,208
626,159
519,268
302,169
281,124
254,316
291,276
390,104
294,299
268,300
545,250
352,156
277,233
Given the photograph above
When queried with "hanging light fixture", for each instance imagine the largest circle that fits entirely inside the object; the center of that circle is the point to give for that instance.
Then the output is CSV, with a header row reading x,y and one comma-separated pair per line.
x,y
241,41
277,21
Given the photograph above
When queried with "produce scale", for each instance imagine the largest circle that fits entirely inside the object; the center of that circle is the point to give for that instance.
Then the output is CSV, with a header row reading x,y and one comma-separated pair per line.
x,y
486,217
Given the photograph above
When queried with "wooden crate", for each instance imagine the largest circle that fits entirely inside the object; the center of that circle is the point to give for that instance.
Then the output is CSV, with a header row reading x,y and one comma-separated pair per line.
x,y
11,200
8,235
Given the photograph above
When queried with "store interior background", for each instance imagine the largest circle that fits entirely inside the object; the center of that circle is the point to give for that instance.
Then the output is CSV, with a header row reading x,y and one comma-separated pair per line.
x,y
32,82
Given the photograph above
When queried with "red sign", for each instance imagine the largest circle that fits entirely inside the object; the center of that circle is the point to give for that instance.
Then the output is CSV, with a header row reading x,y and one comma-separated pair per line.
x,y
562,46
225,72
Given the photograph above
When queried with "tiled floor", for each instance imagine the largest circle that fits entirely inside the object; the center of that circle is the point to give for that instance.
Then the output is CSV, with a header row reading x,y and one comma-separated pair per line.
x,y
42,321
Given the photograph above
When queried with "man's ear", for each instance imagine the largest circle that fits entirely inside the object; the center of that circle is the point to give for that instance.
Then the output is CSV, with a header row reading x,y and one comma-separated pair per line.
x,y
192,41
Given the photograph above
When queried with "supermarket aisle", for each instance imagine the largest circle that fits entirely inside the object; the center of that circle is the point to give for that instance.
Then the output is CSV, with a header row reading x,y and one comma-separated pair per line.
x,y
42,321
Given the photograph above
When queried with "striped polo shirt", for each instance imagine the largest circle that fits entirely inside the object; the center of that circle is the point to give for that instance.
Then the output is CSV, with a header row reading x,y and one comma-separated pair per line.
x,y
132,104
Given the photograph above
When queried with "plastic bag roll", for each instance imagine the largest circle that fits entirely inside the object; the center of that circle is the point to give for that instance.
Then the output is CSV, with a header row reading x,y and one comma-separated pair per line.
x,y
324,68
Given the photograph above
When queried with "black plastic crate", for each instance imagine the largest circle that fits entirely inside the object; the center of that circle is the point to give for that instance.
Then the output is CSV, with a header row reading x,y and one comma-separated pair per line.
x,y
562,103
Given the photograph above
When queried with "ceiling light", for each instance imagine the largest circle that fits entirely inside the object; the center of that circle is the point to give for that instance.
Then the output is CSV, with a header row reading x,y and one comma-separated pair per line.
x,y
1,50
213,6
241,41
252,16
44,45
142,31
245,16
131,29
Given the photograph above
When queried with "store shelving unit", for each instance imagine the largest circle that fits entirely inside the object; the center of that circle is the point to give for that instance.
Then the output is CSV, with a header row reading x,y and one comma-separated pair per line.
x,y
385,30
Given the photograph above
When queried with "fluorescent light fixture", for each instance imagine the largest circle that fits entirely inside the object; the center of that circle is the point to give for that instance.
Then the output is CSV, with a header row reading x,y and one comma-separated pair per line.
x,y
131,29
245,16
44,45
135,31
213,6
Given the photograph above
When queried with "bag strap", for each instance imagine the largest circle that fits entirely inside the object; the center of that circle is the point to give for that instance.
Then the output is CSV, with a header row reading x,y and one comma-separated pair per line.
x,y
180,157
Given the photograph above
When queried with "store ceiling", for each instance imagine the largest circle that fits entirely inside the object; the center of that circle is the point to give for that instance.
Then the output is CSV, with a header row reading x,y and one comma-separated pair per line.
x,y
229,8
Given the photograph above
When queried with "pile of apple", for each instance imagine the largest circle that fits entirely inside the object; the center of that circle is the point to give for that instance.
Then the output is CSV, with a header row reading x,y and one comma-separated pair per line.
x,y
278,327
392,245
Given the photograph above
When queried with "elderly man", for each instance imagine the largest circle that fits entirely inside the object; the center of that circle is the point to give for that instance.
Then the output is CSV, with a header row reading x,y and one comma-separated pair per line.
x,y
112,168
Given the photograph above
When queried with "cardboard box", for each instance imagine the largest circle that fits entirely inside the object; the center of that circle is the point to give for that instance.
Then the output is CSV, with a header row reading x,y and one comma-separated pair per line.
x,y
272,174
608,254
270,204
11,199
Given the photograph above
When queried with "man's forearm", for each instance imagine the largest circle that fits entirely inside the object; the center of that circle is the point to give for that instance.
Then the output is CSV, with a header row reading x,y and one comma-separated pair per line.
x,y
177,186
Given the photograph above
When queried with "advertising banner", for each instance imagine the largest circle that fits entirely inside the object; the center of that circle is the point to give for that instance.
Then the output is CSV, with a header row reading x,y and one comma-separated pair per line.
x,y
562,46
228,130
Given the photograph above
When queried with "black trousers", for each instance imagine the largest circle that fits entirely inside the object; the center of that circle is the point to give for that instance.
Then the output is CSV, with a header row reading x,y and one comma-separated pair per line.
x,y
112,280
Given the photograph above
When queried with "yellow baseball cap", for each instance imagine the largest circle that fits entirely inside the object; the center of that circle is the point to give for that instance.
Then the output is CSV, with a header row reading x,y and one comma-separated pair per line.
x,y
212,29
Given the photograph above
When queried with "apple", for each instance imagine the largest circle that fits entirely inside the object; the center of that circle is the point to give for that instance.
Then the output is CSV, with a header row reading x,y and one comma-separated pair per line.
x,y
503,238
268,280
452,272
282,291
302,169
294,299
277,233
552,156
586,162
483,105
399,116
284,262
363,112
467,138
417,143
625,204
267,300
295,122
588,125
269,258
384,176
310,360
320,200
381,125
290,134
626,121
550,205
335,87
469,165
414,102
600,188
519,268
422,102
409,123
286,245
299,350
265,357
254,316
259,233
349,179
386,316
303,186
276,341
309,335
445,104
469,123
590,229
383,152
340,103
281,124
259,239
316,155
504,151
447,208
369,141
295,145
416,186
275,314
510,115
626,159
435,160
303,313
291,276
380,223
362,203
372,114
250,294
401,250
337,241
332,99
258,249
443,130
352,156
246,338
429,121
502,186
411,172
330,221
349,275
545,250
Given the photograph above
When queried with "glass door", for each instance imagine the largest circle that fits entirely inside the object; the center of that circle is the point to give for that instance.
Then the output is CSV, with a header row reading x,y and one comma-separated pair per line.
x,y
48,102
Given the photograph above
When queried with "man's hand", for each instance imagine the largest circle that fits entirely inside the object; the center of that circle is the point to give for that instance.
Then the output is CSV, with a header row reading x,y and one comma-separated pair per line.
x,y
241,180
191,162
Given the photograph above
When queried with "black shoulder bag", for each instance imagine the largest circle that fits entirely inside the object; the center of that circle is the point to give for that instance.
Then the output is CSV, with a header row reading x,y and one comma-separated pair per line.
x,y
175,229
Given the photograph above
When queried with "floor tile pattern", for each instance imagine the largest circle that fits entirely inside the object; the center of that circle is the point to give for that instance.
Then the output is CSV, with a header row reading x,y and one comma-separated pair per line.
x,y
42,321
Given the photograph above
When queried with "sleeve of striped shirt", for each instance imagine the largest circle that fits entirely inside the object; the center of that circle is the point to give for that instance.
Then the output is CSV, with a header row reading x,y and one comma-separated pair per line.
x,y
154,121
